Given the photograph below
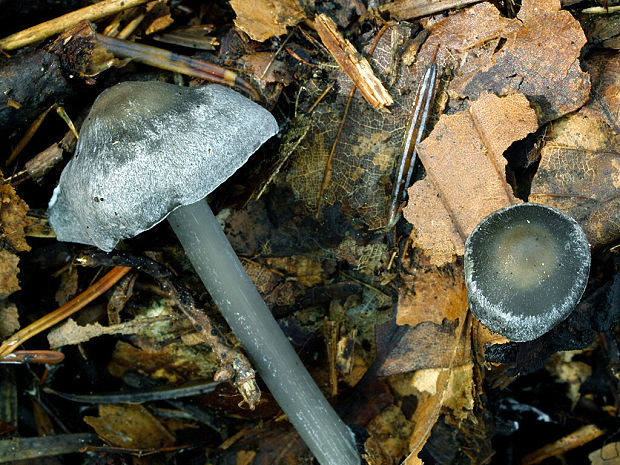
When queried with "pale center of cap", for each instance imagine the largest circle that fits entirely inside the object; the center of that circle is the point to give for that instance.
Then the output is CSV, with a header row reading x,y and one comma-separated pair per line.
x,y
527,255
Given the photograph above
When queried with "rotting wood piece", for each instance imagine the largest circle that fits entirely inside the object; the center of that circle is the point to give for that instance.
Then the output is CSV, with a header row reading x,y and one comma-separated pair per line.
x,y
352,63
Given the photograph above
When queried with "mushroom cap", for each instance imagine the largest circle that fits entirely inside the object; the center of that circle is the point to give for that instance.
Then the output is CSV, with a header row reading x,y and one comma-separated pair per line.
x,y
147,148
526,267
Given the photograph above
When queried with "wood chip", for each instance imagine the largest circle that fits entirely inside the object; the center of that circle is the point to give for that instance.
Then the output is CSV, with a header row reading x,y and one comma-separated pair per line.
x,y
352,63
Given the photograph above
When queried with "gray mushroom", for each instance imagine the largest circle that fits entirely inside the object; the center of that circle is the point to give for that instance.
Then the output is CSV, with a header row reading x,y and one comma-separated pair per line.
x,y
150,150
526,267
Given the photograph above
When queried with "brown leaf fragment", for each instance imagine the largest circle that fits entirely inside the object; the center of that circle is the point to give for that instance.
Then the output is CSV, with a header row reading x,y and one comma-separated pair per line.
x,y
428,345
463,158
130,426
9,319
602,30
542,66
262,19
606,88
389,433
13,212
8,273
607,455
431,294
433,231
579,173
174,363
263,66
408,9
352,63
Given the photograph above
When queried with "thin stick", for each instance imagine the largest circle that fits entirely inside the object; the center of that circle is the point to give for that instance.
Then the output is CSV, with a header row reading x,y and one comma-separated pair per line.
x,y
164,59
65,311
56,25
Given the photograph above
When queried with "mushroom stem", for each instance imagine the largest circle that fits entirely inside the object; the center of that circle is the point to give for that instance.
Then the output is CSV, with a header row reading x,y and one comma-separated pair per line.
x,y
329,439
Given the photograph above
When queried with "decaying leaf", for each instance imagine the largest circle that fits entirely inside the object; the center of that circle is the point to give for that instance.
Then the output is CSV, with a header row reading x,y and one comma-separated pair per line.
x,y
431,294
174,363
262,19
70,333
609,454
130,426
542,66
463,158
430,404
9,322
431,342
605,71
389,433
458,397
579,173
366,150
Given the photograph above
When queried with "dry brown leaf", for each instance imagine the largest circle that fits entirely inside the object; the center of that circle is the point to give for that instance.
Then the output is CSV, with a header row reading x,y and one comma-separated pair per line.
x,y
463,158
9,319
262,19
433,229
431,294
609,454
542,66
130,426
606,88
8,273
352,63
408,9
579,173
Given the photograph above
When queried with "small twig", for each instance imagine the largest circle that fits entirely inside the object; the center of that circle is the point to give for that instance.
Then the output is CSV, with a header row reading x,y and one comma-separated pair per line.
x,y
134,396
321,97
601,10
30,132
19,357
164,59
65,311
356,67
577,438
54,26
234,366
275,55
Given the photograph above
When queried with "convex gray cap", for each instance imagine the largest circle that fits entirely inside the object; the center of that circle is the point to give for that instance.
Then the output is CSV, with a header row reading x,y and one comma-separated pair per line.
x,y
147,148
526,267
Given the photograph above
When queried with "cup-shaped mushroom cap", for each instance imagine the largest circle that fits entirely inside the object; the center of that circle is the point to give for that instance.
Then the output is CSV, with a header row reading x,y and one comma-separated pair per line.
x,y
147,148
526,267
